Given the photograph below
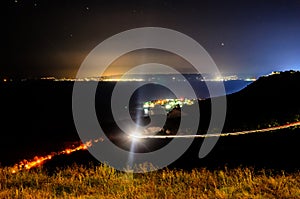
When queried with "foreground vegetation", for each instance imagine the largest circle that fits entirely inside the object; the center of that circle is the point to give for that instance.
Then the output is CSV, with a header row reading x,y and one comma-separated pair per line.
x,y
105,182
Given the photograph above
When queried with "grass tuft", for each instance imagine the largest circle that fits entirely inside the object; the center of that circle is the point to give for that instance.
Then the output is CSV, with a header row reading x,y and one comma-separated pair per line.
x,y
105,182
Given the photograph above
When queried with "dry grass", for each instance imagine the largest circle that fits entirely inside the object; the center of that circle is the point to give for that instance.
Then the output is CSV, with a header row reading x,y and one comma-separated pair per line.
x,y
106,182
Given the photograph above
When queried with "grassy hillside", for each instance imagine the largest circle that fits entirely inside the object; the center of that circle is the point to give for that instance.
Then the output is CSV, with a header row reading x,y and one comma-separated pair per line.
x,y
105,182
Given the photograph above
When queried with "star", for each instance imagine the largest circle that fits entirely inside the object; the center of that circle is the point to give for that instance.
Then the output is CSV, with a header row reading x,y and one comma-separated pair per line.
x,y
222,44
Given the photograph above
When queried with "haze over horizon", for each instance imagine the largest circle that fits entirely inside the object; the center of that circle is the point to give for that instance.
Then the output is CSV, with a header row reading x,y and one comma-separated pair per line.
x,y
52,38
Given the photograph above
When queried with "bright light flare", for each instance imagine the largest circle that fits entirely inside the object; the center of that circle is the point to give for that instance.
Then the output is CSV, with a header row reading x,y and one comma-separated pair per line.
x,y
134,137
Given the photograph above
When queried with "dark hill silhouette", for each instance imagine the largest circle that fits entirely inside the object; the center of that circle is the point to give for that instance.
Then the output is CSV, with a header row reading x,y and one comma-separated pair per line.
x,y
271,100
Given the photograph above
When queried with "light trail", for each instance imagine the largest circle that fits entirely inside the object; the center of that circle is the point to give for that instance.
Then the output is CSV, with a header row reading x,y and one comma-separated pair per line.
x,y
38,161
270,129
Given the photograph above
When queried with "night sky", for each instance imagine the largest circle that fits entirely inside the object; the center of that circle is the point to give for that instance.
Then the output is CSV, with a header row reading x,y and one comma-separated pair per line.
x,y
52,38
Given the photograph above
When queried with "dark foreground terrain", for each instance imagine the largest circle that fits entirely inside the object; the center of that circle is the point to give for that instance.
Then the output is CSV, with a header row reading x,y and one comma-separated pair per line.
x,y
37,119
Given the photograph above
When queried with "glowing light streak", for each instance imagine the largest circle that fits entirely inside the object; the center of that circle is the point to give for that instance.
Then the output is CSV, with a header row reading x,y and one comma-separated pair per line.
x,y
133,136
38,161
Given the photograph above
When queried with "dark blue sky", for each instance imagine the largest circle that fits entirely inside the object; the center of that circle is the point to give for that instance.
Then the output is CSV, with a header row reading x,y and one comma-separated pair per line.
x,y
51,38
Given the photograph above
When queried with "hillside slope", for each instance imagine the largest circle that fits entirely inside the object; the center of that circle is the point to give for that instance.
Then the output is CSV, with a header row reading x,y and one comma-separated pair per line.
x,y
269,101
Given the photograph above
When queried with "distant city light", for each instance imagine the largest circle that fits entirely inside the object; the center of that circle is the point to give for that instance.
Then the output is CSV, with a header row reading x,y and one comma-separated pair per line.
x,y
123,80
145,78
166,104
